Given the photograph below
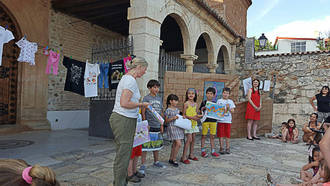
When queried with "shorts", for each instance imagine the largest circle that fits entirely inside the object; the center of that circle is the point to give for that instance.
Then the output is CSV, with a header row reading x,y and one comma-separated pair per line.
x,y
209,125
136,151
224,130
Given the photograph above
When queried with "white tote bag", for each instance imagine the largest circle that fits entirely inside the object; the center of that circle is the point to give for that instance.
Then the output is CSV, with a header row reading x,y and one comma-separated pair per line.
x,y
182,123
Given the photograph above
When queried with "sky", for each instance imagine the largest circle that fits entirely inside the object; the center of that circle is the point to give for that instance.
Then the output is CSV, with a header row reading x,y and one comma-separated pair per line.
x,y
288,18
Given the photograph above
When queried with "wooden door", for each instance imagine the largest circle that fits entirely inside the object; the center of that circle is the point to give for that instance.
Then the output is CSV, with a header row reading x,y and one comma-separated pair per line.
x,y
8,72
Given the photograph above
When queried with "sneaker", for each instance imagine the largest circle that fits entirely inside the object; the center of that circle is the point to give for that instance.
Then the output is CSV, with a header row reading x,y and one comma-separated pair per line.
x,y
227,151
139,174
215,154
159,165
142,169
133,179
204,154
222,151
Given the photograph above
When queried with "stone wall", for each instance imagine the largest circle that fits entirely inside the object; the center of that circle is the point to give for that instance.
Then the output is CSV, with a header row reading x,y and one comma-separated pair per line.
x,y
178,83
72,37
294,79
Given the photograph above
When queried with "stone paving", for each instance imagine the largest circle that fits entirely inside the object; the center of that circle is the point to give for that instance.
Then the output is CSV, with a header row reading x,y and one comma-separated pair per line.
x,y
248,164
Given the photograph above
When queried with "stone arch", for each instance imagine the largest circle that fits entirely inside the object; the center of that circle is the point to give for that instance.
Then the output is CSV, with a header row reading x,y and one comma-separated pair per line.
x,y
181,21
223,60
9,69
209,46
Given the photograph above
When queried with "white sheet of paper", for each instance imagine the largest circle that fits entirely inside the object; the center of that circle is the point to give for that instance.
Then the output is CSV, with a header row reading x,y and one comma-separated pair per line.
x,y
261,85
267,85
247,83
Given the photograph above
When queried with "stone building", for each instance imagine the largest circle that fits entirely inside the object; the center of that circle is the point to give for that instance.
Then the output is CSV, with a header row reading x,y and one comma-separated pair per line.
x,y
177,27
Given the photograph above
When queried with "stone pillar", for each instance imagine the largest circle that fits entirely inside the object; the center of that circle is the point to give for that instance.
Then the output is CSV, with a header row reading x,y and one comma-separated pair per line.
x,y
232,59
145,29
212,68
190,58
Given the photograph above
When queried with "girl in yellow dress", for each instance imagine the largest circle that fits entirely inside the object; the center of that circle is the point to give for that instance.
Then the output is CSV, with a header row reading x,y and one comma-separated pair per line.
x,y
190,112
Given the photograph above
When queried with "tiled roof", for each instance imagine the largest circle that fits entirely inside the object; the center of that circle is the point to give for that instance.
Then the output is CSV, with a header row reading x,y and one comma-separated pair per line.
x,y
295,53
215,14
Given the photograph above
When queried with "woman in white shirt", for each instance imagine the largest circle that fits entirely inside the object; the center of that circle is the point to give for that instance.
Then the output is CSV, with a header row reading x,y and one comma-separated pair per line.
x,y
124,116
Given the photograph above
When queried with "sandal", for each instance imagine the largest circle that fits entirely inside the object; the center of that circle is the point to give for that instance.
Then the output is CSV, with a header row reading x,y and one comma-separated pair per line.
x,y
186,161
194,158
174,163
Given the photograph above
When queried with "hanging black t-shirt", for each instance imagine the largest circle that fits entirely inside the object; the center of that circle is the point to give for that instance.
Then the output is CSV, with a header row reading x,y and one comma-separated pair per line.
x,y
323,103
75,75
116,71
207,119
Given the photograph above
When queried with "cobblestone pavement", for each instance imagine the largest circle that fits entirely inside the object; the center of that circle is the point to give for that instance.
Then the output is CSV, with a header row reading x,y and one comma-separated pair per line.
x,y
248,164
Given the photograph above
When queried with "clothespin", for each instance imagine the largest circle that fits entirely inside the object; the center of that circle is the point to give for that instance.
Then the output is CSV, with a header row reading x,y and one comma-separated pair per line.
x,y
24,36
6,27
57,51
70,57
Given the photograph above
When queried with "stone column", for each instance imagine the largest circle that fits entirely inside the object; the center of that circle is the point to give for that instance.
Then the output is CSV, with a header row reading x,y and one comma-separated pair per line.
x,y
190,58
212,67
145,29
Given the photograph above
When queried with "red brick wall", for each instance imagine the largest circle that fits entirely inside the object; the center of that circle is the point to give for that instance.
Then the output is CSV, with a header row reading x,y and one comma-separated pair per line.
x,y
178,83
239,125
234,12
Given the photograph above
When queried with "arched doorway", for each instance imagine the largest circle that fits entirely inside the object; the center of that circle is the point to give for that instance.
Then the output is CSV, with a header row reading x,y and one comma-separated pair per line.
x,y
204,52
9,70
222,60
175,40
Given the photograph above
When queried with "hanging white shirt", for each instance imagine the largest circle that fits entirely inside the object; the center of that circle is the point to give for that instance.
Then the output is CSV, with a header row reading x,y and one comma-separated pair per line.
x,y
5,36
90,79
28,50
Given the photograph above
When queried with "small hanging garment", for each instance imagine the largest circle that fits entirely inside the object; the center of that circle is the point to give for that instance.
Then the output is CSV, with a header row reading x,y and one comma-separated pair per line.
x,y
116,71
5,36
104,70
75,75
90,82
126,60
28,50
53,60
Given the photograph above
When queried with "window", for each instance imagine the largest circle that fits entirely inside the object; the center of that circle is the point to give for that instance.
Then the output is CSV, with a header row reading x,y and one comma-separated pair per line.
x,y
298,46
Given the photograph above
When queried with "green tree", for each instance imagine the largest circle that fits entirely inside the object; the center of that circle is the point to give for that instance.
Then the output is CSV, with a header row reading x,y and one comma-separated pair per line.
x,y
269,46
322,44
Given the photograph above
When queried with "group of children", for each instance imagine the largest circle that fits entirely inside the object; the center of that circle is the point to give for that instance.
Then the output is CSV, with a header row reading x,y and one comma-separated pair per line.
x,y
190,111
288,132
316,171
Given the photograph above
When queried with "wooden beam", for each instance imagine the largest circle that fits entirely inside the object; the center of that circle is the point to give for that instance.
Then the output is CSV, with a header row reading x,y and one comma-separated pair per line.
x,y
99,12
106,15
76,5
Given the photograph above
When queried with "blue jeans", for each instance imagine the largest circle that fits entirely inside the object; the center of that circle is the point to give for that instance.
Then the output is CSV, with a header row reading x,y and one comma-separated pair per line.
x,y
104,70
